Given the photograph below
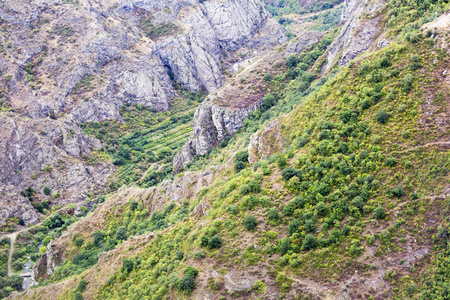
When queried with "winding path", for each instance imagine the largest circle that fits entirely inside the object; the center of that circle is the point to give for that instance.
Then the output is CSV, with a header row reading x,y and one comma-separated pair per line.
x,y
423,146
12,241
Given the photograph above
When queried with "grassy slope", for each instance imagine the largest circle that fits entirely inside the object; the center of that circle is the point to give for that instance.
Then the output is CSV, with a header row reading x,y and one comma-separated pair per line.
x,y
423,171
397,255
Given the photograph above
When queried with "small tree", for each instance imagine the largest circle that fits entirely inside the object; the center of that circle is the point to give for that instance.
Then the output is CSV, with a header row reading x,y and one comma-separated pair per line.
x,y
47,190
273,214
250,222
215,242
79,242
127,265
82,285
179,255
16,281
291,62
78,296
390,162
133,204
18,265
187,283
121,233
293,226
310,226
310,242
267,77
282,162
240,161
379,213
383,116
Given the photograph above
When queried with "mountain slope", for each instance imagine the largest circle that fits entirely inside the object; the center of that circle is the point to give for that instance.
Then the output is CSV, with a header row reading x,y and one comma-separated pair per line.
x,y
334,186
70,62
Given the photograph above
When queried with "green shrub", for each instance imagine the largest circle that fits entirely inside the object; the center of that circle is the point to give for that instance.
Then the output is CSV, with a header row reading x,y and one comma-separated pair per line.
x,y
382,116
79,242
199,254
78,296
82,285
289,172
291,61
398,191
289,208
179,255
267,77
18,265
16,281
133,204
310,242
273,214
310,225
204,241
390,162
282,162
321,209
259,287
250,222
215,242
379,213
190,271
355,248
308,77
240,161
269,100
47,190
121,233
187,283
285,246
293,226
127,265
385,62
98,238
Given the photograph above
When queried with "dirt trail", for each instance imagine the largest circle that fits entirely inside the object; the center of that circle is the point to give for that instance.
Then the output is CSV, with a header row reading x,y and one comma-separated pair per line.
x,y
12,241
423,146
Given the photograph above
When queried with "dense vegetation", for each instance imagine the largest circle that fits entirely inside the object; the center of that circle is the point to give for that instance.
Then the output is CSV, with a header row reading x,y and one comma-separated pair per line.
x,y
144,145
342,178
287,7
350,188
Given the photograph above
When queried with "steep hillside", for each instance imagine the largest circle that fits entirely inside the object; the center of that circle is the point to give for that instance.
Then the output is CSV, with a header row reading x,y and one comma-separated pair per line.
x,y
319,171
64,63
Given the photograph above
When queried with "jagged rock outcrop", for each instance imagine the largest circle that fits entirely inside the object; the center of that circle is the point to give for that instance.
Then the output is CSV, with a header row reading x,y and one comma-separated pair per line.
x,y
358,32
48,262
44,152
266,142
83,61
212,124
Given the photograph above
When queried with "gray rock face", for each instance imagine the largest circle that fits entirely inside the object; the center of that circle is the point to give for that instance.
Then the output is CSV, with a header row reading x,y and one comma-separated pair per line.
x,y
357,33
303,42
99,45
40,153
265,142
97,57
212,124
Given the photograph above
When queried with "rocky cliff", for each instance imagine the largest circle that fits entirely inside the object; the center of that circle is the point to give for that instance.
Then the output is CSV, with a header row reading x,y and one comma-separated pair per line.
x,y
224,111
68,62
212,124
361,27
